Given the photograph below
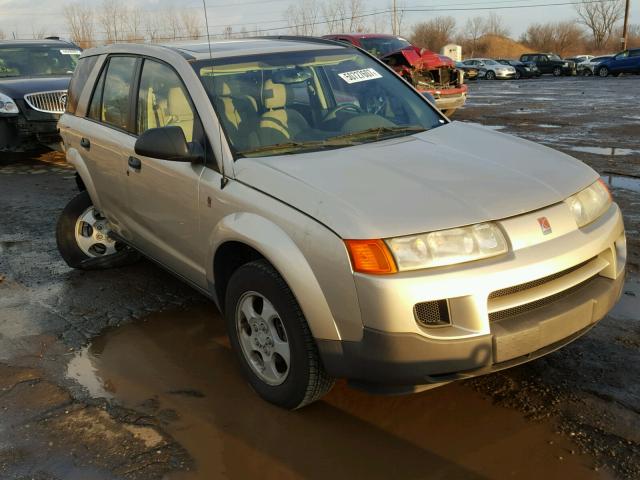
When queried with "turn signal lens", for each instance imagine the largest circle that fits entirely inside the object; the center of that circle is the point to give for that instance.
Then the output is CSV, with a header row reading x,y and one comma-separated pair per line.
x,y
370,256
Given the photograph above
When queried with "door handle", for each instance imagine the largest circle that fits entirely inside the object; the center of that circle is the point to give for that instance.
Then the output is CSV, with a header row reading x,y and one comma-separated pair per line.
x,y
85,143
135,163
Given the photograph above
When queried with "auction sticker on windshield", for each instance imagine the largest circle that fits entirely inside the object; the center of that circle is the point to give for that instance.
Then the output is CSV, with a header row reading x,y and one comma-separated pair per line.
x,y
360,75
70,52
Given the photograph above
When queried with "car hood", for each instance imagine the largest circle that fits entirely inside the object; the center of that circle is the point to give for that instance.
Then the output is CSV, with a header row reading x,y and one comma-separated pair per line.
x,y
20,86
420,59
454,175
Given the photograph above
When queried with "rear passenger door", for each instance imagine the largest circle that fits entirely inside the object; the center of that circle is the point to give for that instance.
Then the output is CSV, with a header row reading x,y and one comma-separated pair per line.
x,y
163,194
109,137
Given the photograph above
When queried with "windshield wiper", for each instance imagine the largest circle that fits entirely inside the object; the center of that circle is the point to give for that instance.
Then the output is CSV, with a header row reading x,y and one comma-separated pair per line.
x,y
378,131
313,144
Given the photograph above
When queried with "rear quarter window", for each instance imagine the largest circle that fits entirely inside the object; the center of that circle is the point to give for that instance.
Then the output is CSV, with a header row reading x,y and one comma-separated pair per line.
x,y
78,82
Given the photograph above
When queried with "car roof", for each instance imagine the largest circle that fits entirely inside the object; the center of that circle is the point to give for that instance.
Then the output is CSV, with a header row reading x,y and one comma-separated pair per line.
x,y
365,35
226,48
34,43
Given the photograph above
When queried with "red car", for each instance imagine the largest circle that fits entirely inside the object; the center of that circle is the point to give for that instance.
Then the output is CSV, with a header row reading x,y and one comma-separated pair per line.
x,y
425,70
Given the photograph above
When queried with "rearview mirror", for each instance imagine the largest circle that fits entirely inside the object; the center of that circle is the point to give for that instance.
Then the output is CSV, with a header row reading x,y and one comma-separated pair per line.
x,y
166,143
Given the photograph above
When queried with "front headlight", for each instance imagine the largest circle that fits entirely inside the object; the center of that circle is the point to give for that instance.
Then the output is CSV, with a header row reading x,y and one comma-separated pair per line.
x,y
448,247
590,203
7,105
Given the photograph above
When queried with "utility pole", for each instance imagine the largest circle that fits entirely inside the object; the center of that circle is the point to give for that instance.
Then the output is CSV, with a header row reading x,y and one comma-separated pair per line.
x,y
625,28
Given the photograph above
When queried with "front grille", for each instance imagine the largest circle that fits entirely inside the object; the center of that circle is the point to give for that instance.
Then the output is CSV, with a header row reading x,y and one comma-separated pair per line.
x,y
527,307
536,283
47,102
432,314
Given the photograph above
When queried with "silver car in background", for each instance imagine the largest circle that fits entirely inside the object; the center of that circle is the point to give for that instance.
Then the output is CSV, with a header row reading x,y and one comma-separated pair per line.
x,y
344,227
492,69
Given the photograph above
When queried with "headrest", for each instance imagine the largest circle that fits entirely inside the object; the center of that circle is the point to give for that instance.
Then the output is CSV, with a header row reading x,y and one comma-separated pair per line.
x,y
177,103
221,88
274,95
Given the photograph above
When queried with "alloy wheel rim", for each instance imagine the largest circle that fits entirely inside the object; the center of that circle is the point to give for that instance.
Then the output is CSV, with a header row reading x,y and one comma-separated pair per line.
x,y
92,234
263,338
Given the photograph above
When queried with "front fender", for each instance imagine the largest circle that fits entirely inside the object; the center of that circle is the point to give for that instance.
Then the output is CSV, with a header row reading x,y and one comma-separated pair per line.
x,y
75,159
281,251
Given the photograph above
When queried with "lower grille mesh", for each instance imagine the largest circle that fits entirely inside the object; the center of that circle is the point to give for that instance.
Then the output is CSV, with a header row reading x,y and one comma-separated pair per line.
x,y
527,307
432,314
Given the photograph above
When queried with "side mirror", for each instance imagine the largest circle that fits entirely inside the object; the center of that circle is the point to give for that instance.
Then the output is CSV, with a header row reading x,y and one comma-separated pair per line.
x,y
166,143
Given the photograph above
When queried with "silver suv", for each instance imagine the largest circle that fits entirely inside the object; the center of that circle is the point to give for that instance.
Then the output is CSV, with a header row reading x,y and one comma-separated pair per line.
x,y
343,225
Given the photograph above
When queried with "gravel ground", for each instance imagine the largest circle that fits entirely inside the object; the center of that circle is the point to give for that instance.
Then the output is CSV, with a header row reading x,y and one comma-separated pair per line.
x,y
583,401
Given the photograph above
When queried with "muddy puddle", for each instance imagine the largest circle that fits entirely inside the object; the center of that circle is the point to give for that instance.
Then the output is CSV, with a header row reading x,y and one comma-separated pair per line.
x,y
624,182
606,151
180,364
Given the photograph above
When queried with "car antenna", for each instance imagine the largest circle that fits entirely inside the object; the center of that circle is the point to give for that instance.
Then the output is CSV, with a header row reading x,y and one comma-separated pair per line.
x,y
224,180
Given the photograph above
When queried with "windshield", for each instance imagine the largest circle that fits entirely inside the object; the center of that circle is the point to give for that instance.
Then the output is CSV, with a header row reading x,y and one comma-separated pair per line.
x,y
382,46
553,56
302,101
23,61
490,62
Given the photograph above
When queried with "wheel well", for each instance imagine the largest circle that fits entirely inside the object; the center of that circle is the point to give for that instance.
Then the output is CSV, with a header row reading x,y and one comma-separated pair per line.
x,y
80,183
228,258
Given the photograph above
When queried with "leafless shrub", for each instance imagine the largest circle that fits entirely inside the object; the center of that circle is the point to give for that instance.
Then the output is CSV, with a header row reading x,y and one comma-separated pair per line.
x,y
2,35
191,24
558,37
79,20
600,17
435,33
303,17
111,17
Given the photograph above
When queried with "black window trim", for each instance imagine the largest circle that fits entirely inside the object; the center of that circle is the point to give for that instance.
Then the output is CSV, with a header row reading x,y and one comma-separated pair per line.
x,y
103,69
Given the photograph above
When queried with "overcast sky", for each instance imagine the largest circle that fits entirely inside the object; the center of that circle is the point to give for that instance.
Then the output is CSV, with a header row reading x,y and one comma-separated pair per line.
x,y
24,17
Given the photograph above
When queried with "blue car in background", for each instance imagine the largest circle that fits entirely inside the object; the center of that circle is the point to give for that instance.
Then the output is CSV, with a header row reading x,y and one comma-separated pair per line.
x,y
623,62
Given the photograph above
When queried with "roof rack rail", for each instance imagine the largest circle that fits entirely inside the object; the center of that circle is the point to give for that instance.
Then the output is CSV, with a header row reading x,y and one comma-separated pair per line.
x,y
52,38
303,38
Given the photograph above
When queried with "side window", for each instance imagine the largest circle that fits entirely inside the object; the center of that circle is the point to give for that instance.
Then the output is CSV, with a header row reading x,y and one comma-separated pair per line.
x,y
163,100
634,53
78,82
111,98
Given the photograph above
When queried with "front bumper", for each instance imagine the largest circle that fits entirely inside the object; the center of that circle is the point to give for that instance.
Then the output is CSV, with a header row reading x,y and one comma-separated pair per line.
x,y
20,132
505,75
449,99
572,280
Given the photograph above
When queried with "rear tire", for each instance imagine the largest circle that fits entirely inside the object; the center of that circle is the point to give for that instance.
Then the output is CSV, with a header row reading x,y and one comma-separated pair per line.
x,y
82,236
557,71
518,75
265,325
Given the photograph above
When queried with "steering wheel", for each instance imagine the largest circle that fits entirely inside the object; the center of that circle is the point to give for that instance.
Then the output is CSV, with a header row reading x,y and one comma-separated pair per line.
x,y
331,114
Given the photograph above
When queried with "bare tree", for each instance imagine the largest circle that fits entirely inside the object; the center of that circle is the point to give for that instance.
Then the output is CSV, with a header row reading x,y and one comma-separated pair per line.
x,y
171,24
39,33
600,17
303,17
435,33
191,24
79,20
2,35
132,25
227,32
473,30
494,25
112,16
558,37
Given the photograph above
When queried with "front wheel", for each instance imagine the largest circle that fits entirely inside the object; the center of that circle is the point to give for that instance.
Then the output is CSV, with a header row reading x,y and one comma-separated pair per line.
x,y
84,240
557,71
603,72
271,338
490,75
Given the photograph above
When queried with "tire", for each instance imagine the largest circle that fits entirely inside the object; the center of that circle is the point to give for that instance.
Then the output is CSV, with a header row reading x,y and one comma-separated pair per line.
x,y
557,71
490,75
254,290
518,75
73,237
603,72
